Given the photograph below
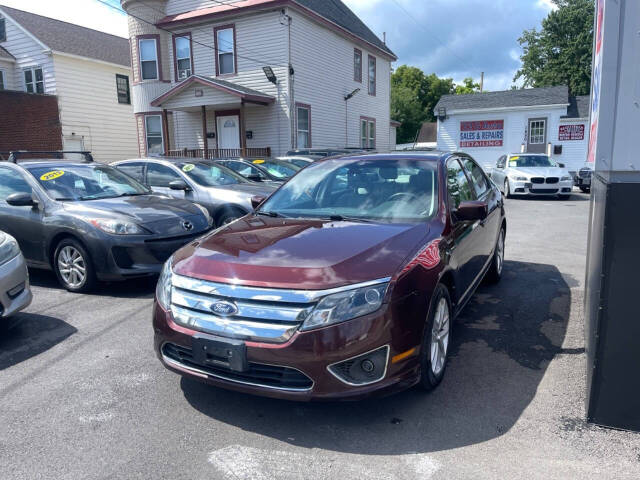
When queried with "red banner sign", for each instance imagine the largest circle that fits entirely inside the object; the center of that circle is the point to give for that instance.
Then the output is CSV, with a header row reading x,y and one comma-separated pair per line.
x,y
571,132
482,133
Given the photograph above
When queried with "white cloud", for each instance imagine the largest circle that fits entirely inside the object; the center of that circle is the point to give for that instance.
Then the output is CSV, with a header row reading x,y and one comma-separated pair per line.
x,y
87,13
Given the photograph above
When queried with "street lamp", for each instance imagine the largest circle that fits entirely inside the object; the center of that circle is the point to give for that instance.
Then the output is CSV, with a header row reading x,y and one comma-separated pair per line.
x,y
268,71
346,115
351,95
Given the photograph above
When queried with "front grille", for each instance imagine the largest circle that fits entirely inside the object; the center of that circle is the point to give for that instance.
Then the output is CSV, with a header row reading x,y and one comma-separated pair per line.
x,y
258,373
553,179
543,190
537,180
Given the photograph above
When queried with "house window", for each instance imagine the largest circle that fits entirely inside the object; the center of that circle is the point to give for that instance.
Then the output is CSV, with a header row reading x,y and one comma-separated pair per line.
x,y
122,87
148,59
372,75
367,133
153,131
3,30
357,65
226,50
1,80
303,122
34,80
182,51
536,133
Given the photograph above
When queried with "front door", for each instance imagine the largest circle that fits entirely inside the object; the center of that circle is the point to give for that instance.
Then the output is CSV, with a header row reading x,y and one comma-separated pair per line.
x,y
228,131
537,138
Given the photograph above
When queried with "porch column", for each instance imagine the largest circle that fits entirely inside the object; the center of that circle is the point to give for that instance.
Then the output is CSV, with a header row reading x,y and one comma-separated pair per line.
x,y
205,140
243,132
165,127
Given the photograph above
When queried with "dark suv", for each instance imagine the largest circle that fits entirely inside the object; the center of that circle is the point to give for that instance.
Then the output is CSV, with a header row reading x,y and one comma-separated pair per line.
x,y
344,282
89,221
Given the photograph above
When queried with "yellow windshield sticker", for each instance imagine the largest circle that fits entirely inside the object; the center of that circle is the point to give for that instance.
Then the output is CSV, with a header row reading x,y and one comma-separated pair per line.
x,y
515,158
188,167
51,175
258,161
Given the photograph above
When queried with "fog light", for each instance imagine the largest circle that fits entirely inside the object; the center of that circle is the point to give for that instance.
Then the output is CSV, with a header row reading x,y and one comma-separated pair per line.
x,y
364,369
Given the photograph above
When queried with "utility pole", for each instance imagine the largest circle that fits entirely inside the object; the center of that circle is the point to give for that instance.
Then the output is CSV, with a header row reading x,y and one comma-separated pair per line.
x,y
481,82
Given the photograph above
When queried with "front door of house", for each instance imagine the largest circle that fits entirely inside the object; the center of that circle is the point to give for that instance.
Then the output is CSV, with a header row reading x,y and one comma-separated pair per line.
x,y
537,139
228,131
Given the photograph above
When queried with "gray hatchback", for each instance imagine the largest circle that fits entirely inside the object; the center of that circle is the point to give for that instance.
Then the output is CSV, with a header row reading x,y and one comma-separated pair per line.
x,y
225,193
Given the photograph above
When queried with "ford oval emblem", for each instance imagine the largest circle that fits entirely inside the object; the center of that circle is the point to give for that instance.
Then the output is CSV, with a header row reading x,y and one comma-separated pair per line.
x,y
224,308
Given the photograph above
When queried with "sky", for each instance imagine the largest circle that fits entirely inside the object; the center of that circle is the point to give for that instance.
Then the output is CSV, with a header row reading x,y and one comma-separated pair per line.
x,y
452,38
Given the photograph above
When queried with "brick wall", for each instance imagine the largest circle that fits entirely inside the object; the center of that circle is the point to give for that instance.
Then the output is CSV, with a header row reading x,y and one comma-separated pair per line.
x,y
29,122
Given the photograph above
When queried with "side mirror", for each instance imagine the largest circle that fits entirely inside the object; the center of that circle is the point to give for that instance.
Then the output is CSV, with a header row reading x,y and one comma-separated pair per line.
x,y
561,165
255,177
472,211
179,185
21,200
257,200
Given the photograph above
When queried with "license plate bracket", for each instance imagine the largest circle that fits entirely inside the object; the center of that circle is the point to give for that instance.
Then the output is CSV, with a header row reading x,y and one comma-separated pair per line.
x,y
220,352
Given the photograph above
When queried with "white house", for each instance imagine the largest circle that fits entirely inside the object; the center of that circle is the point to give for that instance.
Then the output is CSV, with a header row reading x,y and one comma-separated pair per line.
x,y
87,70
488,125
256,77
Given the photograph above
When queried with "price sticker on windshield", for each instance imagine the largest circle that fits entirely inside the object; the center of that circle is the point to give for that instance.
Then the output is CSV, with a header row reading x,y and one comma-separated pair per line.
x,y
258,162
188,167
51,175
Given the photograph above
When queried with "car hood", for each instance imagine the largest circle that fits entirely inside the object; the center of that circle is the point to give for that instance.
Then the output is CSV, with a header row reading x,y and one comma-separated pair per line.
x,y
301,254
159,213
540,171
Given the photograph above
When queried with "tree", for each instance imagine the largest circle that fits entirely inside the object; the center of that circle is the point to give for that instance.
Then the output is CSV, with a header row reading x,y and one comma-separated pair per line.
x,y
413,97
560,53
467,87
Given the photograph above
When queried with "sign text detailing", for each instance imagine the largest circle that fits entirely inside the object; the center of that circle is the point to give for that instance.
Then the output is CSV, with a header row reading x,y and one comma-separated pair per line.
x,y
482,133
571,132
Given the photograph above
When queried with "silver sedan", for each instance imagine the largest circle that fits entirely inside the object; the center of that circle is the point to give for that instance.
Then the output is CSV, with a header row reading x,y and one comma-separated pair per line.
x,y
531,174
15,294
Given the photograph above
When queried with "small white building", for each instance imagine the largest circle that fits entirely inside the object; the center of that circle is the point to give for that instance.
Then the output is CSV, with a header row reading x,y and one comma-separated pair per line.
x,y
488,125
87,70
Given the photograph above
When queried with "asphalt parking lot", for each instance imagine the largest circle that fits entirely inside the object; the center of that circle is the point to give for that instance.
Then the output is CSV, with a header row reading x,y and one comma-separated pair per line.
x,y
82,394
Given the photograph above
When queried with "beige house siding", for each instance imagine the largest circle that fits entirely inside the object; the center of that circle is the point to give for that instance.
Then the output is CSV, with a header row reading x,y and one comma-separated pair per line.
x,y
89,108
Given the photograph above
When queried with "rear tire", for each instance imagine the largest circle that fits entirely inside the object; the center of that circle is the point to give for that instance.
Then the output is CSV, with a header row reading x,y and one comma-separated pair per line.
x,y
585,189
494,274
228,216
72,265
434,352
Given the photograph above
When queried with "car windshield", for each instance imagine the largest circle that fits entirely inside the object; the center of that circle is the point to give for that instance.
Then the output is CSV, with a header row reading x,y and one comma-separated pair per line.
x,y
531,161
375,190
244,169
85,182
278,168
210,175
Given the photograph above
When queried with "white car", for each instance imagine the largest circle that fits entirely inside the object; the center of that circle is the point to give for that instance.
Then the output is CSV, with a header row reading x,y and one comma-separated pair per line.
x,y
532,174
15,294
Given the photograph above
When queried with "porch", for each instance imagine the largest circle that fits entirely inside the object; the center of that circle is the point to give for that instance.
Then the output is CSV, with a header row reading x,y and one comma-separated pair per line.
x,y
206,117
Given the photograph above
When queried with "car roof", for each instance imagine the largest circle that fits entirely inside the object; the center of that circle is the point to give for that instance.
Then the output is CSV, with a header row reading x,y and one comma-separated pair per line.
x,y
48,162
431,156
528,154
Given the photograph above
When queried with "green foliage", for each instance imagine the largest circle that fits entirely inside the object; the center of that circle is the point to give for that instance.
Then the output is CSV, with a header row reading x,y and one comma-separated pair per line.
x,y
467,87
413,97
560,53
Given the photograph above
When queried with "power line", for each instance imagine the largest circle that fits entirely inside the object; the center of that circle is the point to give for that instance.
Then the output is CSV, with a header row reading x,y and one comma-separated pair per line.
x,y
399,5
260,62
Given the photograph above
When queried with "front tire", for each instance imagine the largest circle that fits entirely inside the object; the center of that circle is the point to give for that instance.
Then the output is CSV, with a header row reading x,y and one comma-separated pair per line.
x,y
436,339
507,189
73,267
585,189
494,274
228,216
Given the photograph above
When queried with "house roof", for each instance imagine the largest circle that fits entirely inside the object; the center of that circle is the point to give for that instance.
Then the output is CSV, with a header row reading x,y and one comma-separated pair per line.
x,y
73,39
578,107
248,94
527,97
335,12
4,55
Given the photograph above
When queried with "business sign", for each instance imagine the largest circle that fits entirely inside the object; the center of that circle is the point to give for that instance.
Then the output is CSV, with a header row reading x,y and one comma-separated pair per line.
x,y
596,79
482,133
571,132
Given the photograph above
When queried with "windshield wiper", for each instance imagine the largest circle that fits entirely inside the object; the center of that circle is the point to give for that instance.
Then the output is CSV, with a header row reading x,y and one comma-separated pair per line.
x,y
269,214
97,197
342,218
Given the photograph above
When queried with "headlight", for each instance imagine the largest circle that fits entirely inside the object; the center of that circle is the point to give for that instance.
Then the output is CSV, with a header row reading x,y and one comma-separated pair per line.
x,y
518,178
163,289
343,306
8,248
565,179
206,214
118,227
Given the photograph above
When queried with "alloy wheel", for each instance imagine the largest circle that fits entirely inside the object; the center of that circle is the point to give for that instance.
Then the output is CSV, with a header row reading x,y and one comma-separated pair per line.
x,y
500,253
440,337
506,188
72,266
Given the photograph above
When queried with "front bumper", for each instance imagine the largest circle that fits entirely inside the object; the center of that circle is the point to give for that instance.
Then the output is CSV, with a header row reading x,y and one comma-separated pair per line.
x,y
15,294
309,353
528,188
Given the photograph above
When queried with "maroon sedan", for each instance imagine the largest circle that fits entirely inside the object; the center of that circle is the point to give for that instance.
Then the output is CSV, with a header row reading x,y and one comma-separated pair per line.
x,y
344,282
